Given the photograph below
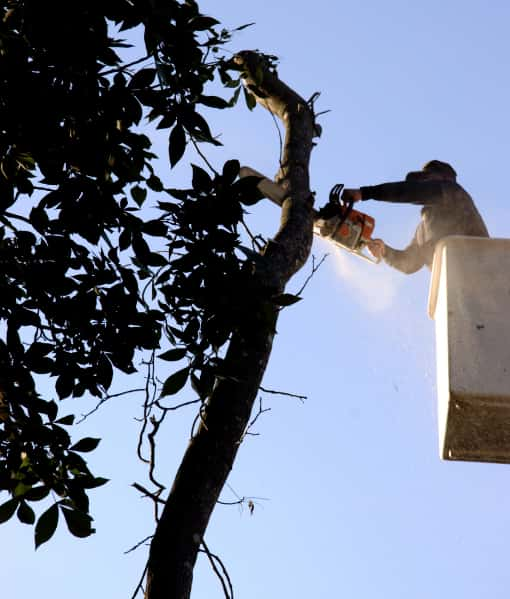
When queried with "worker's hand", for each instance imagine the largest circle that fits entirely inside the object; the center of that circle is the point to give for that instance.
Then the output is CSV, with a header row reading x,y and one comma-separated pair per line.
x,y
351,195
377,248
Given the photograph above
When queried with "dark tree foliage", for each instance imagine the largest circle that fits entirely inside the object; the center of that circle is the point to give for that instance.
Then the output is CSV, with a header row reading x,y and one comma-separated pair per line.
x,y
87,280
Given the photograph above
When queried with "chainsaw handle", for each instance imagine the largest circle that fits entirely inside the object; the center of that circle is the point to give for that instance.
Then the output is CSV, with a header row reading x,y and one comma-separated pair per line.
x,y
334,194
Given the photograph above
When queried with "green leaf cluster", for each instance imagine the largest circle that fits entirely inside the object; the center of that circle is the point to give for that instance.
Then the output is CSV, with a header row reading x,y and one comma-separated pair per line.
x,y
88,280
75,248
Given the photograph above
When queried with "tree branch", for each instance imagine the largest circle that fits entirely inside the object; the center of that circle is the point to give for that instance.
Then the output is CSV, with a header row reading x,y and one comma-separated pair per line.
x,y
211,451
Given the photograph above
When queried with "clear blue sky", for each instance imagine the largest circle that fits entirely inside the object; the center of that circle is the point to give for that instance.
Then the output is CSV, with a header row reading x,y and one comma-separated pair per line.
x,y
357,503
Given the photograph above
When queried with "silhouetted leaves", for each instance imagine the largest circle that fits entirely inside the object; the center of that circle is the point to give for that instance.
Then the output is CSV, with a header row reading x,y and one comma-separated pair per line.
x,y
86,444
46,525
89,281
7,509
25,513
286,299
78,522
177,144
175,382
173,354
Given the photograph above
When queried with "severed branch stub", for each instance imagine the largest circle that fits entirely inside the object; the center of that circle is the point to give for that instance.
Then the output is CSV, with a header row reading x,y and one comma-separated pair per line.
x,y
224,418
289,249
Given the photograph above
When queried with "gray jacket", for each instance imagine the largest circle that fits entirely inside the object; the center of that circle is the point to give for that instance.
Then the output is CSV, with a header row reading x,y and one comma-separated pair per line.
x,y
447,210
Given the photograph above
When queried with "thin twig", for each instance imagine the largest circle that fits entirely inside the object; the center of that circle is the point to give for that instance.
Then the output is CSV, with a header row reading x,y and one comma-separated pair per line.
x,y
271,391
139,586
125,66
254,238
178,406
152,444
202,155
103,400
221,576
237,502
146,493
139,544
147,405
254,419
315,268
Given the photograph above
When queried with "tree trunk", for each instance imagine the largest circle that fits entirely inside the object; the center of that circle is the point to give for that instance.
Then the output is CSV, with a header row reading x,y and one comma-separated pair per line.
x,y
210,454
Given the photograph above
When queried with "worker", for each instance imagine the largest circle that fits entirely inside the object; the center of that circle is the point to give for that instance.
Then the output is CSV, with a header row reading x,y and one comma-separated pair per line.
x,y
447,210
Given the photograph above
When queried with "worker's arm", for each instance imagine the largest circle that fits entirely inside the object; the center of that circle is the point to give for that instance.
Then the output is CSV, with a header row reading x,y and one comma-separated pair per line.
x,y
424,193
407,261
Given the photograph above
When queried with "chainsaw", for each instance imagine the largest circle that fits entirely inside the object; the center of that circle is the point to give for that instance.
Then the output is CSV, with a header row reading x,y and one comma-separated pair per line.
x,y
347,228
337,222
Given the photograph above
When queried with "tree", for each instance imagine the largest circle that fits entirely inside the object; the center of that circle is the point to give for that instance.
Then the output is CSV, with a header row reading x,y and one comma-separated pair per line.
x,y
84,267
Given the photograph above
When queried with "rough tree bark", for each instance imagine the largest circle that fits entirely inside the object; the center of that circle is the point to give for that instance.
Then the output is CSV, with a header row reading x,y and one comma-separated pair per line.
x,y
210,454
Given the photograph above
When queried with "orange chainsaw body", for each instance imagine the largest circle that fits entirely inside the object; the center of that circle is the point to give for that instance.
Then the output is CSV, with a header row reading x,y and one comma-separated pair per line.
x,y
348,228
351,232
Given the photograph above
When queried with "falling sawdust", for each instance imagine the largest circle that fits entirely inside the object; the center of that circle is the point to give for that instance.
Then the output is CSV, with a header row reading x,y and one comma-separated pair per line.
x,y
375,285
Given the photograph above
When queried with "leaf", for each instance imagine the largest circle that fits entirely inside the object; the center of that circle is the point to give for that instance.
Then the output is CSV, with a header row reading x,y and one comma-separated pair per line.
x,y
95,482
25,513
233,100
202,22
78,523
173,354
64,385
138,194
46,525
175,382
86,444
142,79
286,299
124,239
67,420
251,102
40,349
104,372
21,488
155,183
7,509
37,493
213,102
177,144
231,171
243,27
247,191
201,180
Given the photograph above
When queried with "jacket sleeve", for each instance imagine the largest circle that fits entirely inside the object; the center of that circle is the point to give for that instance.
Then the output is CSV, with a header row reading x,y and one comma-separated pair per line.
x,y
408,261
424,193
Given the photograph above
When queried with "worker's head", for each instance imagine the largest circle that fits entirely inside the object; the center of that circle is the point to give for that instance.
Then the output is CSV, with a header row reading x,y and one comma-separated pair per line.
x,y
433,170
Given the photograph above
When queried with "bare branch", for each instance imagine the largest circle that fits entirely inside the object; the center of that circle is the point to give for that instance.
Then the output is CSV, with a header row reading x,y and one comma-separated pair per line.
x,y
223,576
254,419
139,586
224,418
139,544
272,392
257,241
147,406
146,493
315,268
152,444
125,66
178,406
105,399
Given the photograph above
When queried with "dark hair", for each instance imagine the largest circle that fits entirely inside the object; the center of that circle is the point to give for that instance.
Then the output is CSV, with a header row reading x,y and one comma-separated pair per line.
x,y
436,166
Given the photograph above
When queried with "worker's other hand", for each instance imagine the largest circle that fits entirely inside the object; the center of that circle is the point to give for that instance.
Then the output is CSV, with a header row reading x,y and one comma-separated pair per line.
x,y
377,248
351,195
